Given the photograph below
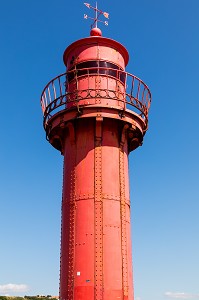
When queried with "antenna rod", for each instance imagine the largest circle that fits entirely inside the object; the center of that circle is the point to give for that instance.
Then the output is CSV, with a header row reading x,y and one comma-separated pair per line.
x,y
96,16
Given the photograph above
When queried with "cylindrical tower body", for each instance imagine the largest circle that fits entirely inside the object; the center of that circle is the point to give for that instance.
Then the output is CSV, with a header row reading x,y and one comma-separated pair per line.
x,y
96,258
91,117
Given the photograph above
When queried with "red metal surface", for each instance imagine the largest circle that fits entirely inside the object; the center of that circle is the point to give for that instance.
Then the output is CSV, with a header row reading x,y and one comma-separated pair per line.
x,y
95,48
95,200
95,115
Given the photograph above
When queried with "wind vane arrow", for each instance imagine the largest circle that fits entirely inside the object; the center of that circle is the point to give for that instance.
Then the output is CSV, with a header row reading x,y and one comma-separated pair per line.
x,y
98,13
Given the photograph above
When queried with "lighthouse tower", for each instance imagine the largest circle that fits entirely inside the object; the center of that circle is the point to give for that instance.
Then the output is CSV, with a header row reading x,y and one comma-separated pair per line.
x,y
95,114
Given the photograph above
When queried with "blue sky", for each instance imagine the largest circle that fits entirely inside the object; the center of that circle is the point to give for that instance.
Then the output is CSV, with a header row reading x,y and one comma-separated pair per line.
x,y
163,43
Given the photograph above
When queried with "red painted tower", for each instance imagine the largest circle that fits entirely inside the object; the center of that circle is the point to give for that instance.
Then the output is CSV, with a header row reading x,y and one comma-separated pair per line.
x,y
95,114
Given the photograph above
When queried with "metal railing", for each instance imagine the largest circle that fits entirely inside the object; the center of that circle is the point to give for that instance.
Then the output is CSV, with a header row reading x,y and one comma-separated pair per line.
x,y
66,89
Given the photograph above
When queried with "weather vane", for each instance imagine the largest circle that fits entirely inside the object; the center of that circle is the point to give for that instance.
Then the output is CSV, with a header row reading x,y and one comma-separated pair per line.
x,y
98,13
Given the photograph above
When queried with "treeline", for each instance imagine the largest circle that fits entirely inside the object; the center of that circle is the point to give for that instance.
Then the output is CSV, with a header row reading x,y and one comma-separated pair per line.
x,y
48,297
10,298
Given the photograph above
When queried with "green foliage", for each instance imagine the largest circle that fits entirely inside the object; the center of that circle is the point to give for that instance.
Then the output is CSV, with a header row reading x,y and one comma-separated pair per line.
x,y
48,297
3,298
10,298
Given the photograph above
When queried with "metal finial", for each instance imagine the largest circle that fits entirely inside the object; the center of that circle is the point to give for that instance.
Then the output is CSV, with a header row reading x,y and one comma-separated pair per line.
x,y
98,13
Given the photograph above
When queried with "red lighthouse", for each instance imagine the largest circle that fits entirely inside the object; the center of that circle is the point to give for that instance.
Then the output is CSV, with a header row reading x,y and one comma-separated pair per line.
x,y
95,114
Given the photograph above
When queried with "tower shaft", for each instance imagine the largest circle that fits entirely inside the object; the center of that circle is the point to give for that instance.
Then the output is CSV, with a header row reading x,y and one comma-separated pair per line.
x,y
96,260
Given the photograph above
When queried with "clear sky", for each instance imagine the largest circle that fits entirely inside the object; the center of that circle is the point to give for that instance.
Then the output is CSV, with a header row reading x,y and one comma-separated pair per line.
x,y
162,38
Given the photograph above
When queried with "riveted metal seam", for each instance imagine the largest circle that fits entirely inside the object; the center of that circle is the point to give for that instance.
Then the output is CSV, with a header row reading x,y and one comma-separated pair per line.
x,y
72,209
98,213
123,220
60,279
